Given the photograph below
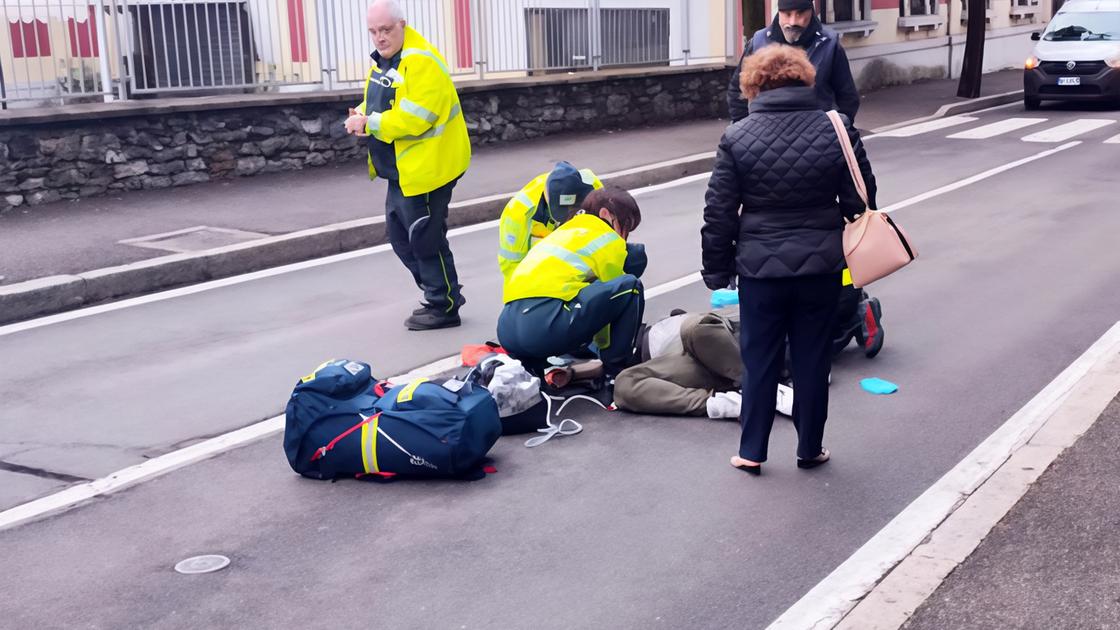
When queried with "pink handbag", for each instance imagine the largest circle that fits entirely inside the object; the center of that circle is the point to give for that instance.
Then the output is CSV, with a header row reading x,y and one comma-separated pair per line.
x,y
874,245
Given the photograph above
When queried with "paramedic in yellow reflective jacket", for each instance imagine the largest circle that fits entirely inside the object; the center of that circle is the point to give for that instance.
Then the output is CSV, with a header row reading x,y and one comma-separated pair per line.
x,y
577,283
534,213
417,141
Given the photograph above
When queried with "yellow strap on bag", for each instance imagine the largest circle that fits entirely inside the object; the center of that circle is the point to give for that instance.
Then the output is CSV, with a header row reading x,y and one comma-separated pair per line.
x,y
405,394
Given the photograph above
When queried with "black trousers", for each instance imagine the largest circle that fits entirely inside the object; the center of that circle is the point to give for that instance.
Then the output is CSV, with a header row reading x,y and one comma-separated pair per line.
x,y
533,329
417,229
804,309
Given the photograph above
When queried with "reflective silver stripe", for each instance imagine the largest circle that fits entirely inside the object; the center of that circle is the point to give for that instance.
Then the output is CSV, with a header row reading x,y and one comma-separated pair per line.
x,y
438,129
419,111
564,255
395,75
524,200
597,244
373,123
510,254
408,52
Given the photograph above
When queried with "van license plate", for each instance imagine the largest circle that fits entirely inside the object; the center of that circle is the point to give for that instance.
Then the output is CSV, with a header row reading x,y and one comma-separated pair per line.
x,y
1069,80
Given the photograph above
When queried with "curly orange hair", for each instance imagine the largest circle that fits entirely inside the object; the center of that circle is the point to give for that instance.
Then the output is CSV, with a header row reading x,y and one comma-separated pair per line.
x,y
773,67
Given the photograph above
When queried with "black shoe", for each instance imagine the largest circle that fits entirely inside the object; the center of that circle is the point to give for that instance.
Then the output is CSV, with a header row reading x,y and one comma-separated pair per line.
x,y
431,319
816,461
424,306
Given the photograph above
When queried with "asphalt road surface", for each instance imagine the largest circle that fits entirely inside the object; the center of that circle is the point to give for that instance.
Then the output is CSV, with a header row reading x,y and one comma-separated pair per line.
x,y
636,522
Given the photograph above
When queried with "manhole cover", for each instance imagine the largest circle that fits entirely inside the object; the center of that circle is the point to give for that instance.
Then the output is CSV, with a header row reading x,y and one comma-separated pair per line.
x,y
193,239
202,564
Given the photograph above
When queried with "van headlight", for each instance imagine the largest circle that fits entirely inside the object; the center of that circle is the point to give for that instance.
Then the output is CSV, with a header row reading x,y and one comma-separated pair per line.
x,y
1032,63
1113,61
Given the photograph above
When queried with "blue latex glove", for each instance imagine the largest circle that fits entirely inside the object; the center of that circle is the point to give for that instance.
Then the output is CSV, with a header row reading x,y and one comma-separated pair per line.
x,y
878,386
724,297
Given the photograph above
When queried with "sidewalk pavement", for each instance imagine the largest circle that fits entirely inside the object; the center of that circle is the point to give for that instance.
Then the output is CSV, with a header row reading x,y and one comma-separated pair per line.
x,y
61,256
1054,560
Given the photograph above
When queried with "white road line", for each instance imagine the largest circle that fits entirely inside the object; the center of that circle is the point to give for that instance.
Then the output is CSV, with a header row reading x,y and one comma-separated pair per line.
x,y
1113,140
928,126
183,457
1068,130
978,177
996,128
174,460
276,271
827,602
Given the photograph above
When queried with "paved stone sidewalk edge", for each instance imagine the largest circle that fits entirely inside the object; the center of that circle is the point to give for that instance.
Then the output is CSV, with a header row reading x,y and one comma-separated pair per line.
x,y
899,594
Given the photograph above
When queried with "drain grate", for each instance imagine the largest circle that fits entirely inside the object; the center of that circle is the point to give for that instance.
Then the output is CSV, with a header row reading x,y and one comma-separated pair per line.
x,y
193,239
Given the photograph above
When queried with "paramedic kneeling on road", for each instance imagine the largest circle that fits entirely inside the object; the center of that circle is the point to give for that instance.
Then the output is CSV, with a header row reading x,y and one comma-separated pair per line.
x,y
576,282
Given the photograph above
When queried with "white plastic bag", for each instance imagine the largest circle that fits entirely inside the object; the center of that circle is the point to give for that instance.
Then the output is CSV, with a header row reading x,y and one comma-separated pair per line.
x,y
512,386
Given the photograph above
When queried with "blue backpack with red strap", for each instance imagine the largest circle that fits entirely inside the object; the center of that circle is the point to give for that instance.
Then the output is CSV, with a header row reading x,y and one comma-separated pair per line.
x,y
342,422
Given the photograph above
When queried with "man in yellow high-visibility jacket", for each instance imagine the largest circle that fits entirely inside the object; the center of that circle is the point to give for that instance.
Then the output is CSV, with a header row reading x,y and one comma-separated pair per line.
x,y
534,213
577,281
417,141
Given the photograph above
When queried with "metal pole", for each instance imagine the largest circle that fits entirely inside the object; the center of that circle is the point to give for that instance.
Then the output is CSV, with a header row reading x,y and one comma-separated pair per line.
x,y
124,47
595,34
103,52
686,36
3,87
3,90
483,52
73,41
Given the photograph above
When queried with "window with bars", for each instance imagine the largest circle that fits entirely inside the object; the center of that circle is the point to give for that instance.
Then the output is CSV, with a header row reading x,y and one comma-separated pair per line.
x,y
848,17
634,36
918,7
560,39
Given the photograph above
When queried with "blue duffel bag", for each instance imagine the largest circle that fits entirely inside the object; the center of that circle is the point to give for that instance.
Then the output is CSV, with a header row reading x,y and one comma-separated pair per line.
x,y
342,422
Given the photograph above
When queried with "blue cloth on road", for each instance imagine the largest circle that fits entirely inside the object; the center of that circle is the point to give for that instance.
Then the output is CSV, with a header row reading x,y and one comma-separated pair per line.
x,y
878,386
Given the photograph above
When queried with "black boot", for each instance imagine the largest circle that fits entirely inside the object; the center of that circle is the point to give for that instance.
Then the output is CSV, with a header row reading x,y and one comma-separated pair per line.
x,y
432,319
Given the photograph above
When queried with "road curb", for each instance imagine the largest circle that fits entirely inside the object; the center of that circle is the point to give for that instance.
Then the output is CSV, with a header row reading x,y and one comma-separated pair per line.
x,y
884,582
54,294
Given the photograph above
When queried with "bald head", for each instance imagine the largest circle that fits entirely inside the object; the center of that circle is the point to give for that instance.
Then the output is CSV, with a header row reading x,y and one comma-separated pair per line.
x,y
385,21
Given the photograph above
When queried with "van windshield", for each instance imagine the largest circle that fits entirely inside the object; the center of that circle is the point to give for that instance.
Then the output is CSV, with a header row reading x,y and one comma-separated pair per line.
x,y
1095,26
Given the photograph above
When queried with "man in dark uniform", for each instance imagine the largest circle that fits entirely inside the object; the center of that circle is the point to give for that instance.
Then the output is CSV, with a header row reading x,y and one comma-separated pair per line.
x,y
797,25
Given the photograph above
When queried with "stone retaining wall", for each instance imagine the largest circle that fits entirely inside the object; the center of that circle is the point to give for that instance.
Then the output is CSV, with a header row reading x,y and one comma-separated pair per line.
x,y
49,156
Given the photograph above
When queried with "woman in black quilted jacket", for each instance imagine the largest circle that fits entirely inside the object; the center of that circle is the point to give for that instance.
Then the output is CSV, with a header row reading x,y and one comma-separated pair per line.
x,y
774,215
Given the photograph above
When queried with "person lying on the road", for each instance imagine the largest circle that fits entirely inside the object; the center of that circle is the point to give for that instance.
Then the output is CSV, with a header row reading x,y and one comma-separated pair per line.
x,y
692,366
579,284
532,214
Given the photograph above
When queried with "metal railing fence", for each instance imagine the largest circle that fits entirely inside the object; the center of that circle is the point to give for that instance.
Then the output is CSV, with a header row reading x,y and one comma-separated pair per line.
x,y
62,51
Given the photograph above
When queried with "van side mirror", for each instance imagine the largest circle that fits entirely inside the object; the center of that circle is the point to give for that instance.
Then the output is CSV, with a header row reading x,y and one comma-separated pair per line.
x,y
1035,36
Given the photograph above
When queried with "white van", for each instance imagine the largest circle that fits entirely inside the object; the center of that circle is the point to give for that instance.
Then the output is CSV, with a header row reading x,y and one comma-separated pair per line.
x,y
1077,57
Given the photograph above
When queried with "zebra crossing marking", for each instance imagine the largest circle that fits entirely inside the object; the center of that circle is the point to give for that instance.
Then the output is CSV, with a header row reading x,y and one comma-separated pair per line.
x,y
997,128
928,126
1068,130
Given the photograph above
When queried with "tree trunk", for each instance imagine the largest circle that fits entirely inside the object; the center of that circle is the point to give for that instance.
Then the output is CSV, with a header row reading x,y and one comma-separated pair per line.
x,y
973,63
